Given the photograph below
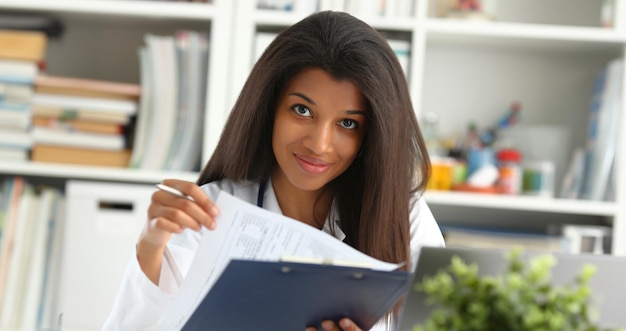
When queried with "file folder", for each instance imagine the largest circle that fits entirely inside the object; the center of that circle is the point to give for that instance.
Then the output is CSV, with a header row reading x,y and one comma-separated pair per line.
x,y
261,295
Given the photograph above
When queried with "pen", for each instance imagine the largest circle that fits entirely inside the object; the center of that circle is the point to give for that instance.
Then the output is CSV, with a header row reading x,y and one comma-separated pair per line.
x,y
174,191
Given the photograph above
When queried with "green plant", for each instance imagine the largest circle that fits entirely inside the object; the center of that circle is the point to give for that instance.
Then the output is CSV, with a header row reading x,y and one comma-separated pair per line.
x,y
523,298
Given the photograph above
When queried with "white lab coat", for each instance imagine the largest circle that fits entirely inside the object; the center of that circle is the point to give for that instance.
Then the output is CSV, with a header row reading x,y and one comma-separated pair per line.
x,y
139,303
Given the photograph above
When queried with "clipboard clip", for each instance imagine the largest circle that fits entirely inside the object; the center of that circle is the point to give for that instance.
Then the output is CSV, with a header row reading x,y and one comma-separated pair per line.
x,y
340,263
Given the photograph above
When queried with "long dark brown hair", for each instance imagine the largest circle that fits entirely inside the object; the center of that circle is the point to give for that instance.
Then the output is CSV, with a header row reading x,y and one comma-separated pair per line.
x,y
373,195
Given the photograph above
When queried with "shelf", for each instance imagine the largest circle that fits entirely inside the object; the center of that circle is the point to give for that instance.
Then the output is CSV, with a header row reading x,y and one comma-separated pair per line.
x,y
519,35
278,18
92,173
119,8
522,203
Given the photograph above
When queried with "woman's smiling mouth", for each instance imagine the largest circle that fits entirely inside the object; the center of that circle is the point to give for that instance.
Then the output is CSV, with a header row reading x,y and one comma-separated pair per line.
x,y
312,165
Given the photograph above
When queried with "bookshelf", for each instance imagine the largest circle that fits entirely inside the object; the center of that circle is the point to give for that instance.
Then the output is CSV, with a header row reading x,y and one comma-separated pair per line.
x,y
551,58
100,41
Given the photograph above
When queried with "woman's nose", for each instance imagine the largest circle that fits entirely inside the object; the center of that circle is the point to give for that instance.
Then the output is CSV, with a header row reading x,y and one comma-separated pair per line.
x,y
320,138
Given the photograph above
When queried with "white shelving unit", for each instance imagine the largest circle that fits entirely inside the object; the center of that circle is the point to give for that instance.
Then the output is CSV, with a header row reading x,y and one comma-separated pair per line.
x,y
100,41
549,68
544,55
137,9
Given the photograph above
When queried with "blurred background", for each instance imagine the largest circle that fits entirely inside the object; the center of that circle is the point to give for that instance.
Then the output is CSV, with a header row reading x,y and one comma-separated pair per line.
x,y
519,101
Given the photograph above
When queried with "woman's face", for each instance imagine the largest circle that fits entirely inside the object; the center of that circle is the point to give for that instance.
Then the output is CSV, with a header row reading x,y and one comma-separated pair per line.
x,y
318,129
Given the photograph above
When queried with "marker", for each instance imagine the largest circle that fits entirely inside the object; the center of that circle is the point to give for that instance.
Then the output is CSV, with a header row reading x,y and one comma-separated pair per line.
x,y
174,191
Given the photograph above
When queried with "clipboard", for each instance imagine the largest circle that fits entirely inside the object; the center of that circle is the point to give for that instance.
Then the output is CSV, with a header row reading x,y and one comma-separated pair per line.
x,y
262,295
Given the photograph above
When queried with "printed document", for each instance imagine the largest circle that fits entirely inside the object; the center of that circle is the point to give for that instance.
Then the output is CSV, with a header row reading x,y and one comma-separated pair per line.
x,y
245,231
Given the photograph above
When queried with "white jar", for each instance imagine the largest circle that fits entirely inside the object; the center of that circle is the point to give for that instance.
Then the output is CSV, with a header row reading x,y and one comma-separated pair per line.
x,y
538,178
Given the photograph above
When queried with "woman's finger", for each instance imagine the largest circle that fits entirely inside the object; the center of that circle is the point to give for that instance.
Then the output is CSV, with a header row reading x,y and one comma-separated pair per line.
x,y
346,324
195,192
195,213
164,225
330,326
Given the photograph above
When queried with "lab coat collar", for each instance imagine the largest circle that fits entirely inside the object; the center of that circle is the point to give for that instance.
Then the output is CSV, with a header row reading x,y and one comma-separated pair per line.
x,y
271,203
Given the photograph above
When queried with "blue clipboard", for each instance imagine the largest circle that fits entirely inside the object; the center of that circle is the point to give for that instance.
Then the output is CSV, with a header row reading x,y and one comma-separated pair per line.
x,y
260,295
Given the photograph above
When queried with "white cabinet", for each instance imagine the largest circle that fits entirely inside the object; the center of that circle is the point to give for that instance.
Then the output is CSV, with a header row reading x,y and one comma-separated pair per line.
x,y
103,221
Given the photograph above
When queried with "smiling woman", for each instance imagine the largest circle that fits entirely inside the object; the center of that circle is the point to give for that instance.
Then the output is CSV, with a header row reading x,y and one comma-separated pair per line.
x,y
323,132
318,129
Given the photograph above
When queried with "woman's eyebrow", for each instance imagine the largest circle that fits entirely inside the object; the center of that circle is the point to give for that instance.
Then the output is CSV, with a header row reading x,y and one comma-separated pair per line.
x,y
355,112
298,94
309,100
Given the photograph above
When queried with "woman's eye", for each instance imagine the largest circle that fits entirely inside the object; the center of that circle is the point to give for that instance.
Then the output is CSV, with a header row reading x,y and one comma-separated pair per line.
x,y
302,110
348,123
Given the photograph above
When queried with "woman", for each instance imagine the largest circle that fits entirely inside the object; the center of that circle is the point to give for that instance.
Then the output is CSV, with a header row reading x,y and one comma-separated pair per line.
x,y
323,132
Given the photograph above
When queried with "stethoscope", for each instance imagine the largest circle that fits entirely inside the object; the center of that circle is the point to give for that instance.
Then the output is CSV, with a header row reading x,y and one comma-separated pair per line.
x,y
259,197
259,203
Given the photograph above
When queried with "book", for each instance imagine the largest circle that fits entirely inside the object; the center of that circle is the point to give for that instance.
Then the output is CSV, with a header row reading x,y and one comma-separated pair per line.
x,y
15,92
17,139
20,253
144,113
458,236
15,116
32,294
80,156
18,71
22,45
13,154
164,92
253,241
95,116
48,312
605,146
69,102
185,149
72,124
17,188
573,179
92,88
100,141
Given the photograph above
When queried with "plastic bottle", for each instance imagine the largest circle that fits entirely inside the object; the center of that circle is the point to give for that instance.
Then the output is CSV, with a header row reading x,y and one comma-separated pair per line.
x,y
510,171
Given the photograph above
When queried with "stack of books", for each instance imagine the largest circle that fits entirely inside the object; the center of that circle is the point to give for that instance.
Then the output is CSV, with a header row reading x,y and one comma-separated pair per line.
x,y
30,254
495,238
174,73
21,52
82,121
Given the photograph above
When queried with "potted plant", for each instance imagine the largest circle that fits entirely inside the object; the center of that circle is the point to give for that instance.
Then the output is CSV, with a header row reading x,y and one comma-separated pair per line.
x,y
523,298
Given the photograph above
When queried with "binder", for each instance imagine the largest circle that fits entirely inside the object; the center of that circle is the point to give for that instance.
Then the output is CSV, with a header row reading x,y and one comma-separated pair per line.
x,y
262,295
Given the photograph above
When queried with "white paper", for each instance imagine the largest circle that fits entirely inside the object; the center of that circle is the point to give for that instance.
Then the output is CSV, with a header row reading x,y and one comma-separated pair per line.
x,y
245,231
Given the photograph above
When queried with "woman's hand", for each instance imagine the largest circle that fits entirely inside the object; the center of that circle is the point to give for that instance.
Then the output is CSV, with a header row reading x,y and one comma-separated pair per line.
x,y
169,214
345,324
